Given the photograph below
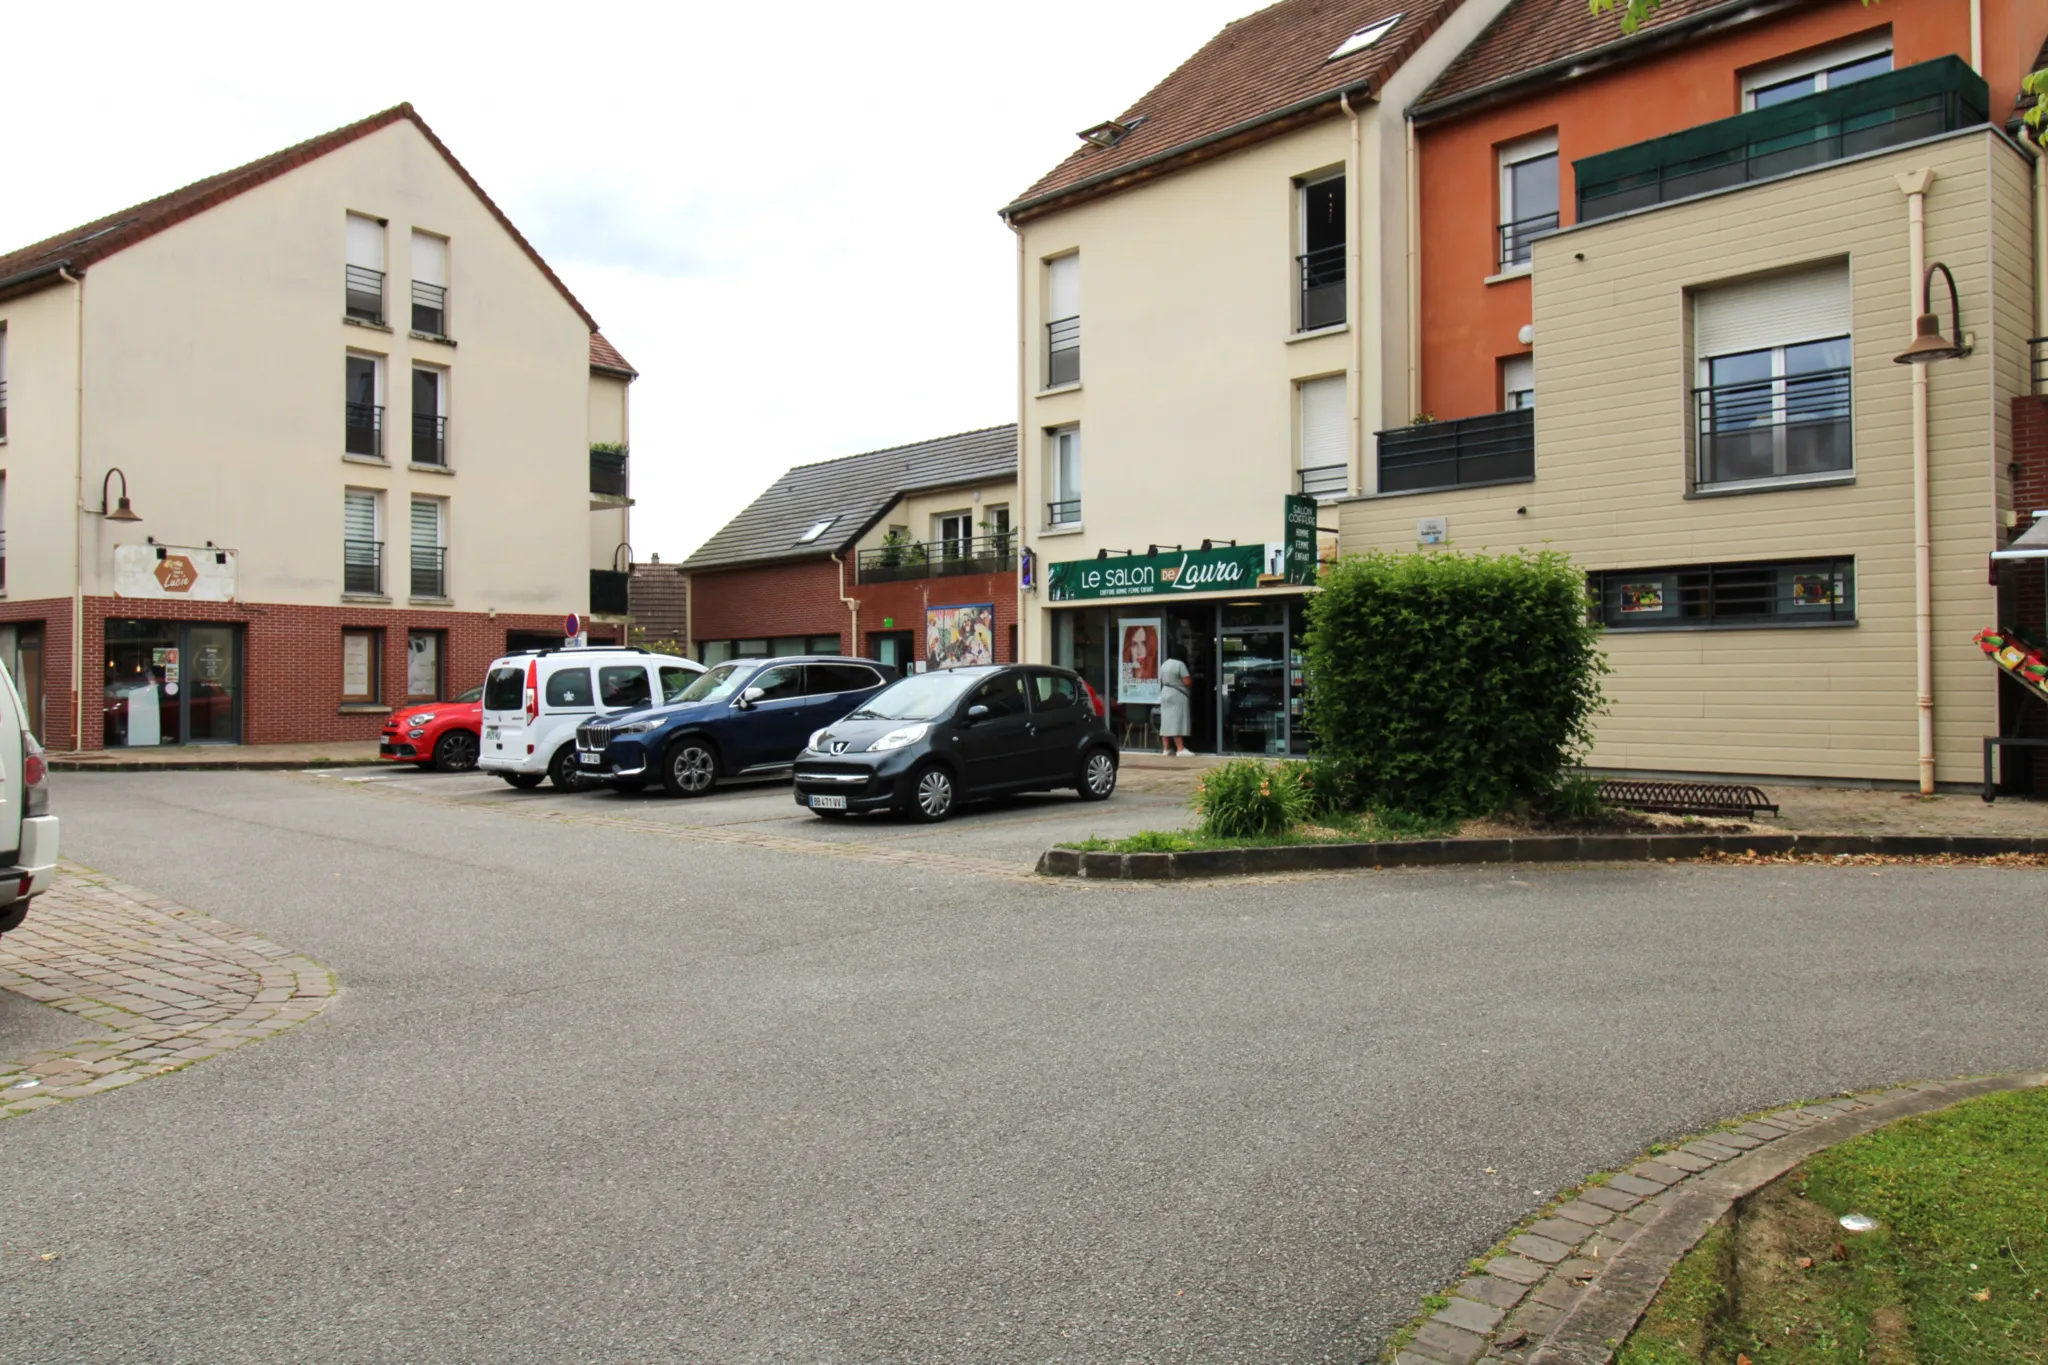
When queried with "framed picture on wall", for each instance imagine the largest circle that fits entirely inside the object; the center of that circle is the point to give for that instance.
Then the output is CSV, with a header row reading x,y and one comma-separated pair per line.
x,y
955,636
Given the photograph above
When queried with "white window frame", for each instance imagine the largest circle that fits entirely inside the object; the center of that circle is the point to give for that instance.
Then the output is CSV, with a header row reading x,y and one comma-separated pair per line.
x,y
1511,368
377,537
1302,389
1780,408
1508,157
1058,488
962,536
441,374
1815,63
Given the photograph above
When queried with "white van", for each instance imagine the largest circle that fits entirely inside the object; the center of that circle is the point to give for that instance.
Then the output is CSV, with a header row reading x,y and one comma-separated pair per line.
x,y
534,702
25,819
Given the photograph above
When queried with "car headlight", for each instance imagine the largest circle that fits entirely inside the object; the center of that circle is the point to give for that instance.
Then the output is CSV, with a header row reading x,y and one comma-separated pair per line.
x,y
635,727
896,739
427,719
811,744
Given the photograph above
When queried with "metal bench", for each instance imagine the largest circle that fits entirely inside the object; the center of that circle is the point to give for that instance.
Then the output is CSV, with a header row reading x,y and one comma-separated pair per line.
x,y
1687,798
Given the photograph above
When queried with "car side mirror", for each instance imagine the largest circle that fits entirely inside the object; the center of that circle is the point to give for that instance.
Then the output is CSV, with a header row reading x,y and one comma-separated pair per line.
x,y
752,695
977,713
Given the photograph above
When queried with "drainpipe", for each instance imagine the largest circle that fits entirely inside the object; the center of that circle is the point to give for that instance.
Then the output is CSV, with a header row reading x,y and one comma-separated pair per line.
x,y
1414,275
1914,185
1354,276
1025,513
2031,142
1976,37
852,605
78,519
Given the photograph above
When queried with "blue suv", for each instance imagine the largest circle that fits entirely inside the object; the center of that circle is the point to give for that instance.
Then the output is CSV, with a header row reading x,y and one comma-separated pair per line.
x,y
743,718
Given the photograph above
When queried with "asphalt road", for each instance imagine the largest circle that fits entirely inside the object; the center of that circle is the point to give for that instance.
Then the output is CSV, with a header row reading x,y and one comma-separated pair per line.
x,y
627,1087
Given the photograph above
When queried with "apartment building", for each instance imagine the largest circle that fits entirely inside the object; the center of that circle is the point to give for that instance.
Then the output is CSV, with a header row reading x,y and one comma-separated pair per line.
x,y
1664,282
295,444
907,555
1215,303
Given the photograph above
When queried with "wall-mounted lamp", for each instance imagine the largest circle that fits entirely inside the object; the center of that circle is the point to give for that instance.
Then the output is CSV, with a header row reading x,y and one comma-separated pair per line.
x,y
122,511
1929,344
1210,543
1105,553
1154,549
626,550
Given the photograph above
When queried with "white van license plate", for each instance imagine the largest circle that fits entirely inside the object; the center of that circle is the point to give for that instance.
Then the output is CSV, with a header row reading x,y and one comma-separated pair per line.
x,y
589,759
491,733
828,803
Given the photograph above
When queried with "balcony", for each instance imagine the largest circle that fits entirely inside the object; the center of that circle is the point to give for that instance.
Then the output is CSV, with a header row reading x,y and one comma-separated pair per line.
x,y
429,571
364,300
1496,447
610,593
429,439
365,430
1517,239
1065,512
1325,480
3,409
608,471
429,309
1923,100
937,559
362,567
1063,352
1322,287
2037,350
1790,428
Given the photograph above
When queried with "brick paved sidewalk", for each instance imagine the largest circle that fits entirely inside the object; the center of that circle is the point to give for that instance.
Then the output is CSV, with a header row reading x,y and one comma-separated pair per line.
x,y
170,987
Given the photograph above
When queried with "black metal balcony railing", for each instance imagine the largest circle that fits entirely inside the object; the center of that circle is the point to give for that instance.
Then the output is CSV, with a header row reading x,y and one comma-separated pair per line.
x,y
3,409
429,309
937,559
429,439
610,593
1325,480
1922,100
365,293
365,430
1774,428
608,472
429,571
1066,512
1496,447
1322,287
1516,238
2037,348
1063,352
362,567
3,561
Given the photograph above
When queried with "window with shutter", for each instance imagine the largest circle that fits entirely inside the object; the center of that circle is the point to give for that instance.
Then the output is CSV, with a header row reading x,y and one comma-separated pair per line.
x,y
1773,396
1063,320
363,271
1518,383
1325,470
362,554
429,284
429,567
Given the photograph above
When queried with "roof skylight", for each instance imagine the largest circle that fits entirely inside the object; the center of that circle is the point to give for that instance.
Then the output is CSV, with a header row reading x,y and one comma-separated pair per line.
x,y
1365,37
817,529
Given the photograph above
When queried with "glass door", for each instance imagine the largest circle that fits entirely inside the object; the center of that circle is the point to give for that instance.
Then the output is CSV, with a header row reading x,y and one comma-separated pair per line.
x,y
1252,682
211,686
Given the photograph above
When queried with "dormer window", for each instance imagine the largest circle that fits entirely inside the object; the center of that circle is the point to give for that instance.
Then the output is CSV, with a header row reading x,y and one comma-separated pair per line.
x,y
1365,37
1109,132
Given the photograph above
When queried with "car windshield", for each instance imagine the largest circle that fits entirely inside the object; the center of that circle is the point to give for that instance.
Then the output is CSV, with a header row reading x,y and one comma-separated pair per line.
x,y
474,694
716,685
922,696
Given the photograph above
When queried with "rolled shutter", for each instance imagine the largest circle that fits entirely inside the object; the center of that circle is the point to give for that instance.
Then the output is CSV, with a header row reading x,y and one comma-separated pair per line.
x,y
365,242
426,523
1802,305
1323,420
1063,287
359,515
429,259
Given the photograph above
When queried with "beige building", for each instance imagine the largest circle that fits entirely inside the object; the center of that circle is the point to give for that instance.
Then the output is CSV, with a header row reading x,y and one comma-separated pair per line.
x,y
295,444
1216,310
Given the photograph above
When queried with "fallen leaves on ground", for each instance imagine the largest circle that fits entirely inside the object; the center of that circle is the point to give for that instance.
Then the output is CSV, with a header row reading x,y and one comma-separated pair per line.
x,y
1752,858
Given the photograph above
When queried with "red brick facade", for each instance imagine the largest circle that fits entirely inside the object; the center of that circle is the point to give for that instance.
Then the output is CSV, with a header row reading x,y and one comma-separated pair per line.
x,y
290,660
803,599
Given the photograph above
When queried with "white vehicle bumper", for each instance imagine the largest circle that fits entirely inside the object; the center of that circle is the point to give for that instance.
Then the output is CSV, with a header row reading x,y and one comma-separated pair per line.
x,y
36,867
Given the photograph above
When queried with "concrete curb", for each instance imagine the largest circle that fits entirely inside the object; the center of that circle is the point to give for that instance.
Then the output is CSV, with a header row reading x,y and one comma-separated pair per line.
x,y
1552,848
180,765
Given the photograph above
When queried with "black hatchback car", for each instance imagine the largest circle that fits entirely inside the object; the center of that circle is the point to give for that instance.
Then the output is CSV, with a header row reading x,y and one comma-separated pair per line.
x,y
927,742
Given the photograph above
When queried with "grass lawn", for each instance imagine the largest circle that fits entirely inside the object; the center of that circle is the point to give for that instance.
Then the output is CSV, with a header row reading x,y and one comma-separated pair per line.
x,y
1956,1273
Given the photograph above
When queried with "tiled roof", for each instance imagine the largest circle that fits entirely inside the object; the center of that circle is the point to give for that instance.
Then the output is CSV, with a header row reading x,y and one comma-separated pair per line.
x,y
102,237
852,491
660,597
605,356
1256,67
1531,34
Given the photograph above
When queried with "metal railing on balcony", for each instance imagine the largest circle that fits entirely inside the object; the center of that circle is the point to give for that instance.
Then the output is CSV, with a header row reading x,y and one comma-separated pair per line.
x,y
362,567
429,571
1063,352
1774,428
1325,480
1517,238
365,294
2037,348
3,409
364,430
608,472
610,592
1065,512
1322,287
896,563
1496,447
429,309
1922,100
3,561
429,439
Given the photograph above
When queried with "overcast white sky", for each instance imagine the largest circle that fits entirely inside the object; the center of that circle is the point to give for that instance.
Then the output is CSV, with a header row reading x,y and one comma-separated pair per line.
x,y
784,215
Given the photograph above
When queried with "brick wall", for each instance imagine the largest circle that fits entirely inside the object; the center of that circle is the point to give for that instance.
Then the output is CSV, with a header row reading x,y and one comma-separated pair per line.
x,y
803,599
291,660
661,602
906,603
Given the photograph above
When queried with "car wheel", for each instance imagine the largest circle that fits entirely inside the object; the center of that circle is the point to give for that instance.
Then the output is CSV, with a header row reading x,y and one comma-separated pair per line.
x,y
526,782
931,793
690,768
456,753
563,772
1098,775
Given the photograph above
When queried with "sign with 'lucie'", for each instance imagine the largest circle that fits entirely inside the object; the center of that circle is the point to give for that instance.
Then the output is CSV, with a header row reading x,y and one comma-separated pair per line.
x,y
1227,568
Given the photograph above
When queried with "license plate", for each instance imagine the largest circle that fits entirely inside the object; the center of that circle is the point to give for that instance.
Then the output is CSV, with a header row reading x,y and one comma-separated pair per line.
x,y
491,733
828,803
588,759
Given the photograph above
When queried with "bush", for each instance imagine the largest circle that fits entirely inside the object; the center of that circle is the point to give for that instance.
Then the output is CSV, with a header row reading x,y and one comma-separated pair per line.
x,y
1246,799
1332,784
1576,797
1456,684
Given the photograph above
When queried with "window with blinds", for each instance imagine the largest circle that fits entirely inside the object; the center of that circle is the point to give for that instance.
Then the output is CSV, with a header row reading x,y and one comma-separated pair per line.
x,y
429,552
363,274
1320,459
1773,396
362,551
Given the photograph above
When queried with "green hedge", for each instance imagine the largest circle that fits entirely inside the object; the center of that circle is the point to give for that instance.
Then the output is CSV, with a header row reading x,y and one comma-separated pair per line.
x,y
1454,684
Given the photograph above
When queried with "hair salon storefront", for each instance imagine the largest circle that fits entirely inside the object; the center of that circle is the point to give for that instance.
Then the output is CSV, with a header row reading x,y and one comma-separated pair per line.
x,y
1233,614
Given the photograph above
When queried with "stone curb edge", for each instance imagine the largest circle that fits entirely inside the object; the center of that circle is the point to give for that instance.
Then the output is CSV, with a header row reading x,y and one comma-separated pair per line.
x,y
1553,848
74,765
1594,1329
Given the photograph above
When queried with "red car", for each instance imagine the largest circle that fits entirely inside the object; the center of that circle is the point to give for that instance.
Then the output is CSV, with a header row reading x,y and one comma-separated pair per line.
x,y
440,734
